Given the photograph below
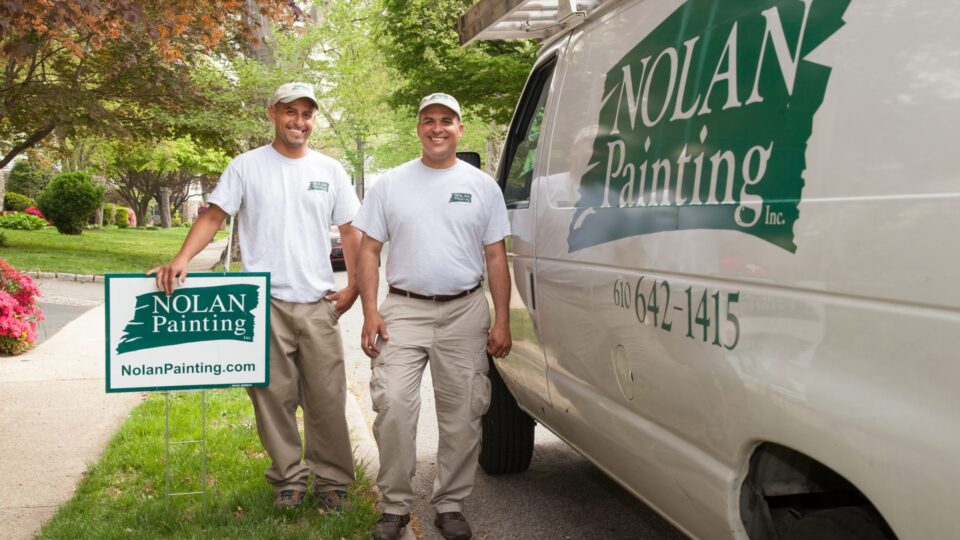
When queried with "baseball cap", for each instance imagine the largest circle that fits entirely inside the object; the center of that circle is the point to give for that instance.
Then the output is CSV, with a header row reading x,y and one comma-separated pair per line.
x,y
440,98
293,91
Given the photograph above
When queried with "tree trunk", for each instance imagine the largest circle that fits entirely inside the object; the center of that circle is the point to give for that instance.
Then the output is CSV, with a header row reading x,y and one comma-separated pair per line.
x,y
358,168
263,36
165,219
3,186
98,217
234,247
491,167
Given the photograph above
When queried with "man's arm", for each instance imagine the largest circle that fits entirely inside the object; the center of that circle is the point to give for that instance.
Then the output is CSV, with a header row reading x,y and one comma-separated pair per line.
x,y
369,278
202,231
350,240
499,342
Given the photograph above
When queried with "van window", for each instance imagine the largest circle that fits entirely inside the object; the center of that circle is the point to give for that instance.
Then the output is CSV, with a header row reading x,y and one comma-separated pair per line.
x,y
521,147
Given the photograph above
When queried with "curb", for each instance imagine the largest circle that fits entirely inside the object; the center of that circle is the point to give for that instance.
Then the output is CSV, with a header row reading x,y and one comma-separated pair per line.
x,y
63,276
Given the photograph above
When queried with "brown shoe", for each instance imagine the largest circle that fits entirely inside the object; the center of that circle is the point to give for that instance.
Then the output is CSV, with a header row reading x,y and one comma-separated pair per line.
x,y
288,498
453,526
389,527
335,500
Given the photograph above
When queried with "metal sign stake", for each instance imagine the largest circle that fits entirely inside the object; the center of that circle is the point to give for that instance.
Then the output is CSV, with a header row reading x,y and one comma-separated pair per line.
x,y
202,441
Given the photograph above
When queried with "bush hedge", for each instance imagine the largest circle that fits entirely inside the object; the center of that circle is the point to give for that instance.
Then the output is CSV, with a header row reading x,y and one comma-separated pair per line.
x,y
22,222
69,199
17,202
109,214
121,217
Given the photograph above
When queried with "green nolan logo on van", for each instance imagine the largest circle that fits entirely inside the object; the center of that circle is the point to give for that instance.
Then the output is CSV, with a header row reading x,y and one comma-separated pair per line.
x,y
704,124
460,197
191,315
318,186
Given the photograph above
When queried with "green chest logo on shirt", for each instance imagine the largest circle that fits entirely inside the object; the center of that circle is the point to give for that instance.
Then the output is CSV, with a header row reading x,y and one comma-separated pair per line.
x,y
704,123
318,186
460,197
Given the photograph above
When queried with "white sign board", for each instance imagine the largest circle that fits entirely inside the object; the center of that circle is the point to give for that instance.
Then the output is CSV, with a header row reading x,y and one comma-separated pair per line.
x,y
212,332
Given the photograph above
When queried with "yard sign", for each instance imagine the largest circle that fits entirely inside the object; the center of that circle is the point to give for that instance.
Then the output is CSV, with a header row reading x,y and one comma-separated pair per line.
x,y
212,332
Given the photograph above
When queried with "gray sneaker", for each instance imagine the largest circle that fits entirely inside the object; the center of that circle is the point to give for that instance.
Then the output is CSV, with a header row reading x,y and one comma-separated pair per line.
x,y
288,498
335,500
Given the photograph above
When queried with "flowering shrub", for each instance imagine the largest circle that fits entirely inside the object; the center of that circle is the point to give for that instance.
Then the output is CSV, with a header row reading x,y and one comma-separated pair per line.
x,y
34,211
131,217
19,313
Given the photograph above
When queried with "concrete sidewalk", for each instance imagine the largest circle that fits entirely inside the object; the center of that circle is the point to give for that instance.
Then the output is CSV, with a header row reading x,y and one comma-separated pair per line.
x,y
209,257
55,419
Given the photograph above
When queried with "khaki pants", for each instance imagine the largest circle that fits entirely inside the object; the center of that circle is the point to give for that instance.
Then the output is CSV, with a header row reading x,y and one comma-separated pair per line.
x,y
306,370
453,336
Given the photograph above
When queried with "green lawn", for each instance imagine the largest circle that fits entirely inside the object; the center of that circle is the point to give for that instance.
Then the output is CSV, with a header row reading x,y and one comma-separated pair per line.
x,y
122,496
94,252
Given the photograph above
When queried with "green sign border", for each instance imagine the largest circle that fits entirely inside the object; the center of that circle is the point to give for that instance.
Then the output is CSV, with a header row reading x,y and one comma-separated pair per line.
x,y
201,275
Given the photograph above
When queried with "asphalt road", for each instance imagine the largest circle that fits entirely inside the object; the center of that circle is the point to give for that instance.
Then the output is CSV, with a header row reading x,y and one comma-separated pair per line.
x,y
64,301
561,496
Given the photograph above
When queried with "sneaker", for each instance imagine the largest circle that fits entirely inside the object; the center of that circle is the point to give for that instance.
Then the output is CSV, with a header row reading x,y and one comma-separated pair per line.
x,y
389,527
453,526
288,498
335,500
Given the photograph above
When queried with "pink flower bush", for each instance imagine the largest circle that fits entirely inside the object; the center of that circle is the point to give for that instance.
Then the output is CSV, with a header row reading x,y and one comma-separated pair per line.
x,y
19,313
131,217
33,210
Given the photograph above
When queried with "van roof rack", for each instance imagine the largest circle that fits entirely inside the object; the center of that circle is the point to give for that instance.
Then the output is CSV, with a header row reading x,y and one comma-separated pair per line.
x,y
521,19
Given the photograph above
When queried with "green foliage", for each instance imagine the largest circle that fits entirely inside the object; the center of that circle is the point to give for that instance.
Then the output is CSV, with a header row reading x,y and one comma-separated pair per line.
x,y
138,169
121,217
3,240
22,222
419,39
28,178
176,221
109,214
69,199
17,202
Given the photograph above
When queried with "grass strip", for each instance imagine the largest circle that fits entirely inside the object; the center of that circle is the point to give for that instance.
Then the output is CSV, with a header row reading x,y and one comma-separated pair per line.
x,y
123,495
96,251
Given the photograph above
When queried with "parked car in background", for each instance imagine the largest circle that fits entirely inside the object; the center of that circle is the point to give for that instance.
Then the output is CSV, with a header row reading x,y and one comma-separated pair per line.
x,y
336,249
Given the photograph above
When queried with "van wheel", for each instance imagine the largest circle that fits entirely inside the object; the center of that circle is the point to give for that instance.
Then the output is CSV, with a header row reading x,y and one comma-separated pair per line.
x,y
506,444
848,523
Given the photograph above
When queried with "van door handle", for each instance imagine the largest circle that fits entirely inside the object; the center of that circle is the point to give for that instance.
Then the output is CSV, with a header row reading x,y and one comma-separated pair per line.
x,y
533,293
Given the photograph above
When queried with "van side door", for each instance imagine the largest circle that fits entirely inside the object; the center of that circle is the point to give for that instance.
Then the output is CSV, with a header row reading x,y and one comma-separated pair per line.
x,y
524,370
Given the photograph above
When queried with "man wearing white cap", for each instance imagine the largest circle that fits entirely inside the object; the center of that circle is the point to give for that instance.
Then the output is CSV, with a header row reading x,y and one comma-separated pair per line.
x,y
286,196
445,220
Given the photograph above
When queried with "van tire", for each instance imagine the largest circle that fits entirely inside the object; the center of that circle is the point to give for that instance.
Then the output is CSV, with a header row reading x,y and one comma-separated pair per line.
x,y
506,443
847,523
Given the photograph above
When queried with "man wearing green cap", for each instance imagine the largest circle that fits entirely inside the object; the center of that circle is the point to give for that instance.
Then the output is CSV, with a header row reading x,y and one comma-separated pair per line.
x,y
436,314
286,196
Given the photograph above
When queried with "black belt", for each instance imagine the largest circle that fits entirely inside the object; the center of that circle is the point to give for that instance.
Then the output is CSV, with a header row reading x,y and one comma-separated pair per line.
x,y
437,298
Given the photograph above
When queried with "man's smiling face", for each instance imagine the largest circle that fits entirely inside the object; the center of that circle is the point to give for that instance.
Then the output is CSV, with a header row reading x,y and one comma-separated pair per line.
x,y
439,130
294,122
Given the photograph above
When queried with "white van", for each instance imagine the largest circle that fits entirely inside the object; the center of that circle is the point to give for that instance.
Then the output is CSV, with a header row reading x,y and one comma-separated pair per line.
x,y
735,259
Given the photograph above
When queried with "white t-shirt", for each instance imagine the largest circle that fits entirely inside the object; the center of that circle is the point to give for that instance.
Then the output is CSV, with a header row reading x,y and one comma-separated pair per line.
x,y
437,222
286,207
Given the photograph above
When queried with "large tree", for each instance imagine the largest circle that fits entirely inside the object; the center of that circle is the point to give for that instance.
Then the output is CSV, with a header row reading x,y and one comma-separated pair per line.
x,y
109,65
161,171
419,39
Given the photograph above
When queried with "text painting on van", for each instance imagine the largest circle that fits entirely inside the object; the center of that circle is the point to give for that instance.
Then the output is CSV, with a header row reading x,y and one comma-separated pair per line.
x,y
704,124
